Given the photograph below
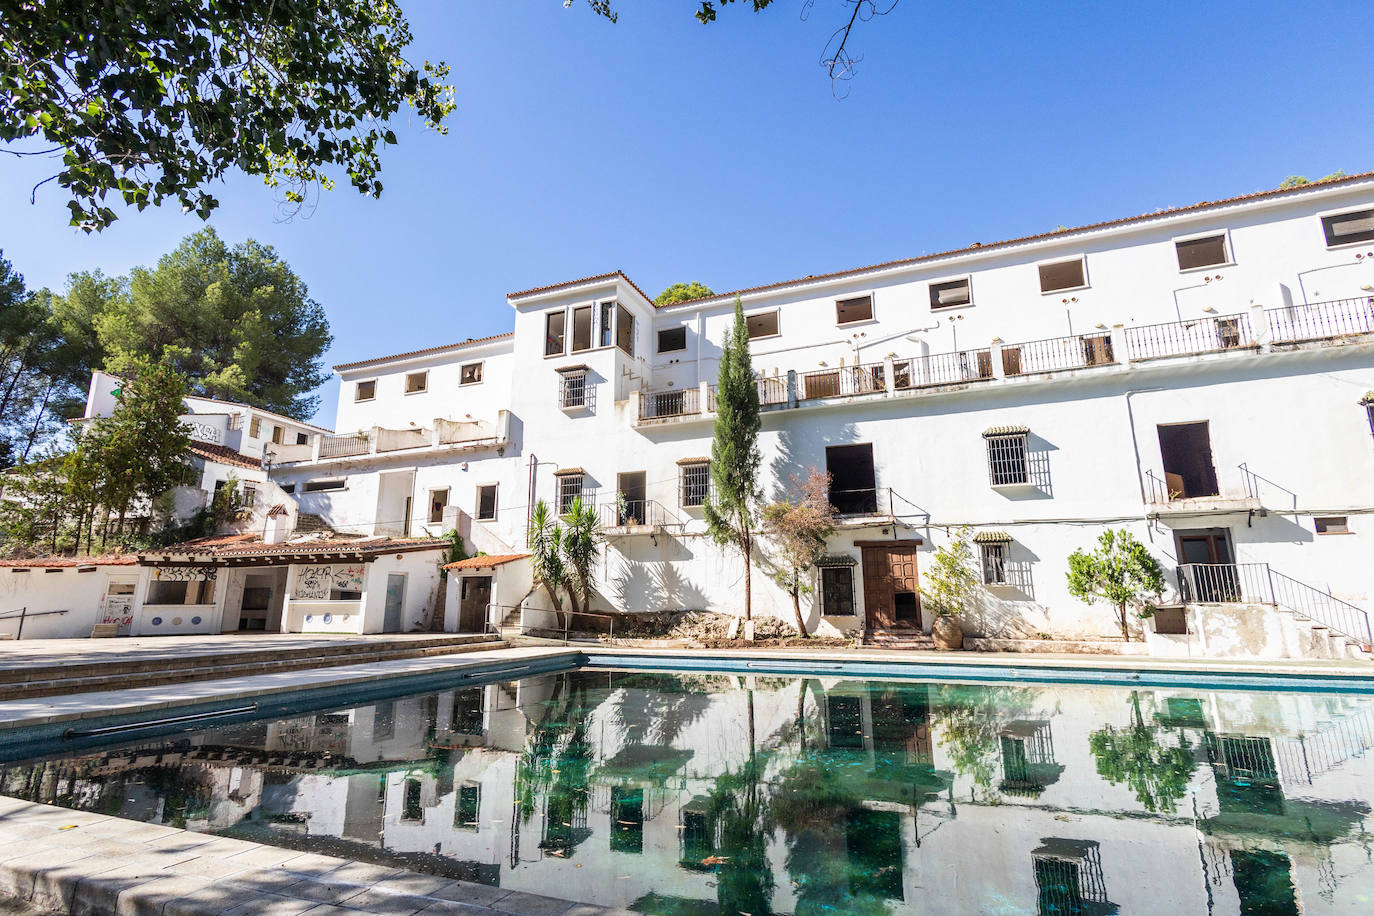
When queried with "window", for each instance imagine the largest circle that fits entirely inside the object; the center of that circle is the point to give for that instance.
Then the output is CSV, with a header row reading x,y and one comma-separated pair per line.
x,y
860,308
466,807
1062,275
416,382
363,391
624,329
572,387
470,374
582,328
672,339
994,556
627,819
319,486
553,333
1331,524
837,591
302,439
1007,464
277,435
569,488
853,487
255,428
1185,450
438,502
288,488
696,482
950,294
486,502
1345,228
764,324
607,316
250,496
196,591
1203,252
411,808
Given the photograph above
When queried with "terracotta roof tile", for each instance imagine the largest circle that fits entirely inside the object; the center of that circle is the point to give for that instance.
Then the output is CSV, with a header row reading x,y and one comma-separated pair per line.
x,y
578,282
470,342
223,454
113,559
250,545
486,562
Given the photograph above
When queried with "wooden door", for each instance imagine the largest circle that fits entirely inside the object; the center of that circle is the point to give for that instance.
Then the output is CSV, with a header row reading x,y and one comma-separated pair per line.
x,y
474,597
891,591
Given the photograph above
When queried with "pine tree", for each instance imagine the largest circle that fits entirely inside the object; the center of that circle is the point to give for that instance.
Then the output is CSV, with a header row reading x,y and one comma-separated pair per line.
x,y
731,511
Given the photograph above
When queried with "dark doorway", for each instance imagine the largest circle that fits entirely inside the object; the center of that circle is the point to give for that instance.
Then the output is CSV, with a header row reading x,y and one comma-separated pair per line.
x,y
1207,570
853,488
1188,468
905,608
631,508
474,596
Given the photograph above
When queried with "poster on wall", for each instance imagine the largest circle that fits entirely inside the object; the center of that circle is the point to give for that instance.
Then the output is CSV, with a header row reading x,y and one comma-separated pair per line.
x,y
119,608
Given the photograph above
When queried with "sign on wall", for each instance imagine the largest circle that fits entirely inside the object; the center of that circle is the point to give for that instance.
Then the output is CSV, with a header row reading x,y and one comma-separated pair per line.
x,y
313,583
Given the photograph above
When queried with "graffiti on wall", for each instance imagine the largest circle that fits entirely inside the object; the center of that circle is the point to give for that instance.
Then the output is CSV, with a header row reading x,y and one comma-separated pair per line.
x,y
184,573
204,432
314,583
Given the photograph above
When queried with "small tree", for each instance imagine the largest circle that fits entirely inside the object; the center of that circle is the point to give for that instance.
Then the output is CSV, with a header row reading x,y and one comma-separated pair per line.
x,y
581,547
546,557
731,513
799,529
950,582
682,292
1120,572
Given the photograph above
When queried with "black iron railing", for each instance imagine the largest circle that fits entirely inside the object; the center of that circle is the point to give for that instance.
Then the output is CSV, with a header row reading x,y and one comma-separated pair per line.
x,y
1321,320
1189,338
1258,583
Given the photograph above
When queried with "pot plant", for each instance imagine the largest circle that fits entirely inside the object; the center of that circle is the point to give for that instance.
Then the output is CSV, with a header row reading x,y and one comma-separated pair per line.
x,y
948,586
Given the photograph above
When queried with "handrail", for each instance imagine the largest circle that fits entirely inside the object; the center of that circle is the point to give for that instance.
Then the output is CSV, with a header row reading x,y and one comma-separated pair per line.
x,y
23,614
1259,583
1321,320
1210,334
1252,485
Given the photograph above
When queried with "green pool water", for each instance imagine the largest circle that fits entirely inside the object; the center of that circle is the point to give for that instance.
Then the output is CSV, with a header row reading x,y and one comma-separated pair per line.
x,y
721,793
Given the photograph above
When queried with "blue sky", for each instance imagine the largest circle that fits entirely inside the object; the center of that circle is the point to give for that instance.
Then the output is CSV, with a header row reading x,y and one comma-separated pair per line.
x,y
676,151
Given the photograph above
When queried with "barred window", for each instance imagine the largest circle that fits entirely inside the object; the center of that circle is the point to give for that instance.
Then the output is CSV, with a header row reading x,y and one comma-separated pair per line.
x,y
572,388
696,483
1007,459
569,488
837,591
994,563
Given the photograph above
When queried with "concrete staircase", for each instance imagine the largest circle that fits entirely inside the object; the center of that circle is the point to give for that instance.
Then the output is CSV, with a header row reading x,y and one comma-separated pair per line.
x,y
46,679
897,639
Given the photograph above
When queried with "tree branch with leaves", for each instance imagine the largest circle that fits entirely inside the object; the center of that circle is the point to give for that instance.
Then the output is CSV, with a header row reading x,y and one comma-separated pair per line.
x,y
799,529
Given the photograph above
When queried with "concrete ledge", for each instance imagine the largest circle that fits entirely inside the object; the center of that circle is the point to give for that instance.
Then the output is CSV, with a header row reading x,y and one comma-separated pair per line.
x,y
63,861
1053,646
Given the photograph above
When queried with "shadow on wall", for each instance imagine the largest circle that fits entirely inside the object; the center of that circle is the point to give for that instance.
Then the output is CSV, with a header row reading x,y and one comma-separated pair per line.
x,y
789,461
1009,610
656,585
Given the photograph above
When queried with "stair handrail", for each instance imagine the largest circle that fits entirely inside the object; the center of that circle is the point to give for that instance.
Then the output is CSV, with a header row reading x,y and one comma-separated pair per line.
x,y
1253,481
1339,616
1260,583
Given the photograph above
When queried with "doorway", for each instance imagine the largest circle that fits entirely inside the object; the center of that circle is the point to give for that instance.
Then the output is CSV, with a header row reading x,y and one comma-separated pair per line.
x,y
891,592
630,507
1186,449
1207,570
853,486
395,602
474,596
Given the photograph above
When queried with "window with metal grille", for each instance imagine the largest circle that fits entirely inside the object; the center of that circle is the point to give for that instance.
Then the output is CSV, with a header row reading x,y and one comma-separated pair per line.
x,y
1007,460
994,563
302,439
837,591
1345,228
1062,275
572,388
950,294
696,483
1203,252
486,502
569,488
255,425
470,374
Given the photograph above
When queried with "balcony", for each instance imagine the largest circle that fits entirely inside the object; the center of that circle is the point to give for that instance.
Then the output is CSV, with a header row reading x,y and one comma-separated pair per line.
x,y
1167,494
1343,321
379,441
635,516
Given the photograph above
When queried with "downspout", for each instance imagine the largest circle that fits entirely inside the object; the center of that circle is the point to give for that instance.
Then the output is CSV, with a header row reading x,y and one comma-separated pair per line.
x,y
1135,443
529,501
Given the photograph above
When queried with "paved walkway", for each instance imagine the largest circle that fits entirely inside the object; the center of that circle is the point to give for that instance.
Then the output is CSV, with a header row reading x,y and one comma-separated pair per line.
x,y
60,860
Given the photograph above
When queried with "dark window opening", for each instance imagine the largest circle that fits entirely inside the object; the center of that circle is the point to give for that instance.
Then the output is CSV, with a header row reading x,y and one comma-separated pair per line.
x,y
845,722
624,329
837,591
606,314
948,295
569,488
860,308
994,563
553,333
672,339
470,374
438,502
316,486
411,809
1331,524
1201,252
572,388
906,608
582,328
1007,465
1062,275
466,807
1187,452
302,439
486,502
468,707
417,382
363,391
627,819
764,324
853,487
696,483
1345,228
1264,882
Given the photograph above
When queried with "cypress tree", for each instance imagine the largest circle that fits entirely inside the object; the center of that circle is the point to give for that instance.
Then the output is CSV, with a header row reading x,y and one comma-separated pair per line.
x,y
731,510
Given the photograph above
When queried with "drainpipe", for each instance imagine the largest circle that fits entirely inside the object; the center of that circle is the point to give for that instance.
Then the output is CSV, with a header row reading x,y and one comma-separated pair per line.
x,y
529,501
1135,444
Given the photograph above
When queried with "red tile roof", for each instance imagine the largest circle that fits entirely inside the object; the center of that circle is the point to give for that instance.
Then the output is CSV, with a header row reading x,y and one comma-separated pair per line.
x,y
223,454
112,559
521,294
986,246
486,562
470,342
250,545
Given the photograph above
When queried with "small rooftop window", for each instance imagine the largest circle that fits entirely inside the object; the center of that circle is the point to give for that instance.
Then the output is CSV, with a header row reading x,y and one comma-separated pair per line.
x,y
1203,252
1062,275
762,324
950,294
859,308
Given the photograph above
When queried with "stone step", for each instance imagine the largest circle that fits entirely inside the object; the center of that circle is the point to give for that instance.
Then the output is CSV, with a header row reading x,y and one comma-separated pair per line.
x,y
198,668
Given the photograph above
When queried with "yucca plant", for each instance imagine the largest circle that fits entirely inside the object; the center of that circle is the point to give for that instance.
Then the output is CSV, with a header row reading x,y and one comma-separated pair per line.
x,y
581,547
546,557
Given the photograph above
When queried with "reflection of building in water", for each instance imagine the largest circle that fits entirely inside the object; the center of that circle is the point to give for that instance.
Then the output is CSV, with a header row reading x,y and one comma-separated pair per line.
x,y
714,793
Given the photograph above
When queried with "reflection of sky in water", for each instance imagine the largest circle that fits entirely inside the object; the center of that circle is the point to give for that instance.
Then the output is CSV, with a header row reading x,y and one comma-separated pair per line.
x,y
697,794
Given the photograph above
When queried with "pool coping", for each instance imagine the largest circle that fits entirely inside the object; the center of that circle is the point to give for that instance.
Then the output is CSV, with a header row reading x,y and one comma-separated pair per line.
x,y
68,861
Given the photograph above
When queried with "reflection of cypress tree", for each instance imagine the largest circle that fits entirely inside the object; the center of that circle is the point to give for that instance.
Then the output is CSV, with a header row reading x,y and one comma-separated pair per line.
x,y
744,880
1158,773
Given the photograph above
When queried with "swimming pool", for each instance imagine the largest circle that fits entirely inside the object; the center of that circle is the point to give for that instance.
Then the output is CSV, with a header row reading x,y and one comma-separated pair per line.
x,y
706,792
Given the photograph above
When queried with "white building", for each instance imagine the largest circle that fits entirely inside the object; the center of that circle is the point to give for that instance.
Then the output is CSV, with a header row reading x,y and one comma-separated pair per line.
x,y
1201,376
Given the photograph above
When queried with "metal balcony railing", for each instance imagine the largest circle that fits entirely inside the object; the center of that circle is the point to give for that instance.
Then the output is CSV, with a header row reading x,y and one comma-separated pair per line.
x,y
1321,320
772,390
842,381
678,402
941,369
1054,354
344,446
1189,338
1258,583
633,513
